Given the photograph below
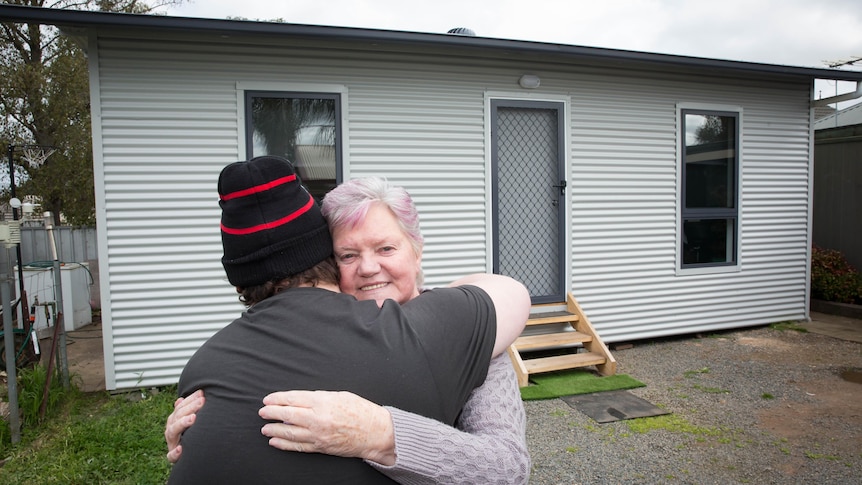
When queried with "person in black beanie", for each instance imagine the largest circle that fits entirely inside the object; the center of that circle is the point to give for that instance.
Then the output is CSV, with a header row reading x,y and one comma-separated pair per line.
x,y
300,332
271,229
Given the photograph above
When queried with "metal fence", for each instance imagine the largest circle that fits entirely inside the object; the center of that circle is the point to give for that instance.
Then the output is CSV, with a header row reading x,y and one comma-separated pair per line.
x,y
74,245
838,191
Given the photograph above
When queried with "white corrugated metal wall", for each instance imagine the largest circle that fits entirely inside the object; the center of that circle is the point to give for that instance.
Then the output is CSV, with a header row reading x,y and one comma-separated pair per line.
x,y
166,122
624,189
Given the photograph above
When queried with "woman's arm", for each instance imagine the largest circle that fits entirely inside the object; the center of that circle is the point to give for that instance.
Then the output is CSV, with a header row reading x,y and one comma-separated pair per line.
x,y
336,423
490,446
182,417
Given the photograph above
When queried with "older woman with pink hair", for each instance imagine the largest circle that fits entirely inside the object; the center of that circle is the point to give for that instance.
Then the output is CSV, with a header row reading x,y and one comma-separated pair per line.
x,y
378,248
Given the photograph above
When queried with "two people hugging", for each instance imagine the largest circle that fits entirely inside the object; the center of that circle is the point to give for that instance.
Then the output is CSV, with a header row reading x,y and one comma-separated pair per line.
x,y
387,382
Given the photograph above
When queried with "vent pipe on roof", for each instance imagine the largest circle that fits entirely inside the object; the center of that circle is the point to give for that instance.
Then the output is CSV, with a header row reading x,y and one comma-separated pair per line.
x,y
462,31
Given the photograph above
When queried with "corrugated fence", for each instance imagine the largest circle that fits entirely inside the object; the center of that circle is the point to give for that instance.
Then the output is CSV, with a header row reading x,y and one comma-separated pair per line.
x,y
838,191
74,245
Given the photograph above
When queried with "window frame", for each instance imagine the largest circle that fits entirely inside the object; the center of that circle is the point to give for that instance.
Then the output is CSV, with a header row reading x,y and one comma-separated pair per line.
x,y
734,214
247,92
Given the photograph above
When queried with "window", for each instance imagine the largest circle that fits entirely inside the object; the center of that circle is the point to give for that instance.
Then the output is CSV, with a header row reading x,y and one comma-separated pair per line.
x,y
710,175
301,127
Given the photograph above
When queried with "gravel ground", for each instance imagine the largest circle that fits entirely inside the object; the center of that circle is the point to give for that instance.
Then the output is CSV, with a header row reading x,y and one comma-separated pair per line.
x,y
761,405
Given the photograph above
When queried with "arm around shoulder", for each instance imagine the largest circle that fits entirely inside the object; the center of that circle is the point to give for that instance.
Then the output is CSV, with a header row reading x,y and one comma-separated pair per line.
x,y
511,303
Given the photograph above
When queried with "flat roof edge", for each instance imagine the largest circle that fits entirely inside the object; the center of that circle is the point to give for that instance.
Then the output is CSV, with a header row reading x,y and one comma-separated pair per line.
x,y
92,19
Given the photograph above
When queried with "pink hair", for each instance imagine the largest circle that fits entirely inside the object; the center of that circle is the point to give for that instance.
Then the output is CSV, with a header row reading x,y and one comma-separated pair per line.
x,y
348,204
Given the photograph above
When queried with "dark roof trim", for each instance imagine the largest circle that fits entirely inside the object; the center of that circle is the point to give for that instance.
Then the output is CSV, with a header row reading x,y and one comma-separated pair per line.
x,y
838,134
89,19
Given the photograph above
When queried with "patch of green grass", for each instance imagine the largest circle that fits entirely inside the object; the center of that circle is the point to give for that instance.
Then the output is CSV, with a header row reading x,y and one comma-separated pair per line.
x,y
767,395
95,438
31,387
572,449
781,445
692,373
788,325
608,434
820,456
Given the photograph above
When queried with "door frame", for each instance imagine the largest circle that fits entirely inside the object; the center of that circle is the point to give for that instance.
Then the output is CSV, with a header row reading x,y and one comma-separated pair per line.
x,y
565,249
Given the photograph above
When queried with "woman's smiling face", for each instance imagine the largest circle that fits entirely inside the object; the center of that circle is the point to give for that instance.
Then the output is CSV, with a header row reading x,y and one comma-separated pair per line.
x,y
376,259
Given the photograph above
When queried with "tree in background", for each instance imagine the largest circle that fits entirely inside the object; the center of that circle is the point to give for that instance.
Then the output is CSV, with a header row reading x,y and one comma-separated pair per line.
x,y
45,100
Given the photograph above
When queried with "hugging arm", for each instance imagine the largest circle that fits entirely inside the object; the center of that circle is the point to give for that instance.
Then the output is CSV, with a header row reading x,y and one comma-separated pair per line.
x,y
489,445
182,417
489,442
511,305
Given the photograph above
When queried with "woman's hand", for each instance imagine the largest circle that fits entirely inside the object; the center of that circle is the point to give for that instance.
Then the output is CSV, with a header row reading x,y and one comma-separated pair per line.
x,y
180,420
333,423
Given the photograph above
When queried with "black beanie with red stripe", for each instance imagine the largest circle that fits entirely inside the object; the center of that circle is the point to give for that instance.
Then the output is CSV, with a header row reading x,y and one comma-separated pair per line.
x,y
271,227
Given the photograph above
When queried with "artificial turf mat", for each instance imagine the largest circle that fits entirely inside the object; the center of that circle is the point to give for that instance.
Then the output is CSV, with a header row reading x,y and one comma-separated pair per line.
x,y
575,381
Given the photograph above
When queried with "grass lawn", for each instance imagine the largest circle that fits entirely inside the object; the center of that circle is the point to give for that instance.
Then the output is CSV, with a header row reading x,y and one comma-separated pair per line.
x,y
92,438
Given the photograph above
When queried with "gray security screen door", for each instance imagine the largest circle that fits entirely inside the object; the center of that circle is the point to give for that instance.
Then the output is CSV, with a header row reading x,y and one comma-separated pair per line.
x,y
529,191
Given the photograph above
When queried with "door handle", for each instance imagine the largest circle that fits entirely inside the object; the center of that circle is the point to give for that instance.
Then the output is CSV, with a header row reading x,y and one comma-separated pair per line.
x,y
562,187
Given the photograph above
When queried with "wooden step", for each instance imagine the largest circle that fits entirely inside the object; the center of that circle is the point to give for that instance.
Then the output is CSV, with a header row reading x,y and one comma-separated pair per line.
x,y
552,317
560,362
551,340
578,330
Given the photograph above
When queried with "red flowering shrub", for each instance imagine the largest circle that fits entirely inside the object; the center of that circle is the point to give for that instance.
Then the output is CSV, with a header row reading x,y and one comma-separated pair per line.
x,y
833,278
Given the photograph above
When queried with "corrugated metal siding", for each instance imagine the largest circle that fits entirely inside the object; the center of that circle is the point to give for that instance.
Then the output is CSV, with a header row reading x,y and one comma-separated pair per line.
x,y
167,129
624,189
429,139
169,124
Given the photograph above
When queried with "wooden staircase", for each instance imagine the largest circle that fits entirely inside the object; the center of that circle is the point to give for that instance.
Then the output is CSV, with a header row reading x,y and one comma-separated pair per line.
x,y
584,345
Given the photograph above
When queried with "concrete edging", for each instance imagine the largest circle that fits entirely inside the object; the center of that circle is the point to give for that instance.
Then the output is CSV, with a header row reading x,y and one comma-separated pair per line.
x,y
832,308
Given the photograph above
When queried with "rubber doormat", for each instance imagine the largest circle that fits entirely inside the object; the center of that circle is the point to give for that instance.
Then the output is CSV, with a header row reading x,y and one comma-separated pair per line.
x,y
608,406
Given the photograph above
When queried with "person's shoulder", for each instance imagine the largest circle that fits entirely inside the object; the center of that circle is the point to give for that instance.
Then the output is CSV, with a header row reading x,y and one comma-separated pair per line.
x,y
452,291
445,297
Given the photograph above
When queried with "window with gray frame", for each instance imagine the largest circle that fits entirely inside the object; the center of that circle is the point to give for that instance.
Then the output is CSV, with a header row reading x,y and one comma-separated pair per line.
x,y
710,175
301,127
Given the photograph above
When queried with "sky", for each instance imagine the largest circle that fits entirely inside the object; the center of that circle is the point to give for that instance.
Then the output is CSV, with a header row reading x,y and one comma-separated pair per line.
x,y
809,33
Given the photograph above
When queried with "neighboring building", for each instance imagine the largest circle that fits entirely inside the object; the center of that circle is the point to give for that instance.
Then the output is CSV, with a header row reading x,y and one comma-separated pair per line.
x,y
821,112
846,117
837,215
669,194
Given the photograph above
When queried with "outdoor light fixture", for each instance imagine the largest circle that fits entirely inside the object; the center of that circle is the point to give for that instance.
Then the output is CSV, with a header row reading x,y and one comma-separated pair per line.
x,y
530,81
